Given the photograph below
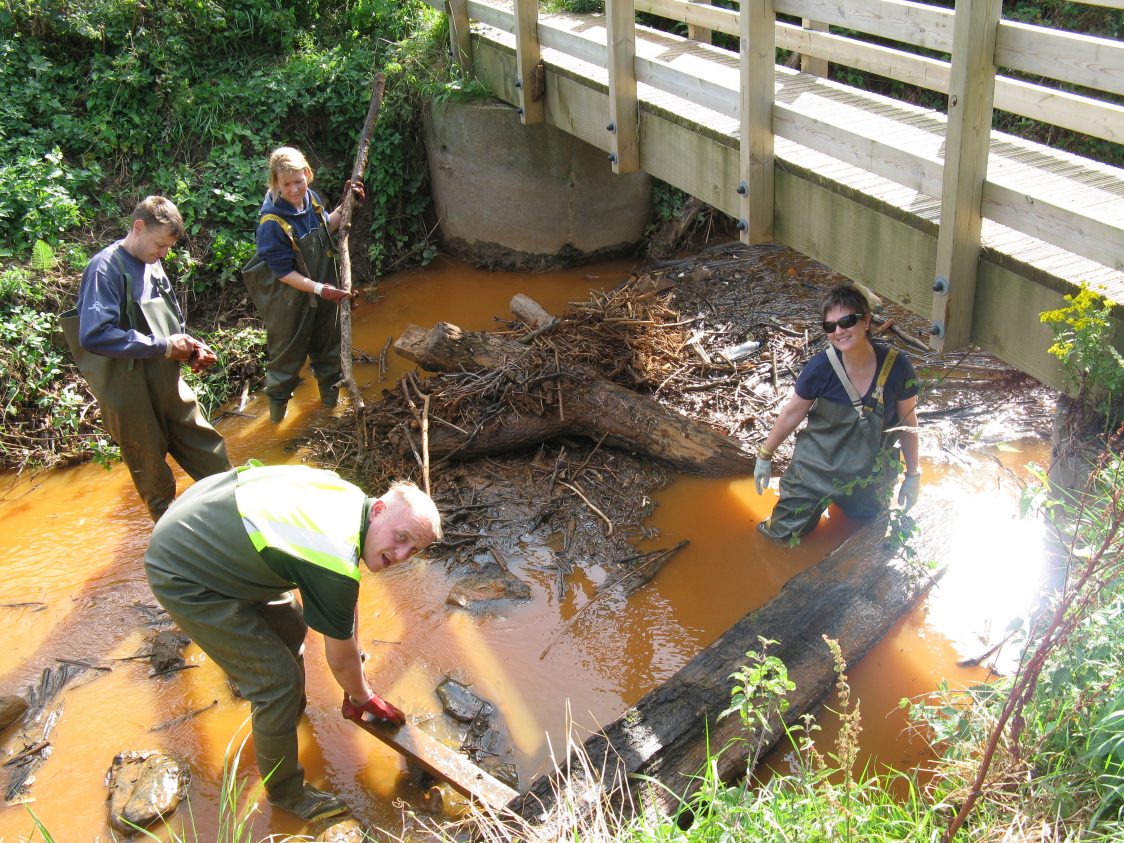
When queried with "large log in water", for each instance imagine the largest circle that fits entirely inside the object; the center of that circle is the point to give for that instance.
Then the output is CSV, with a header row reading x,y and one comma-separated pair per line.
x,y
853,595
590,406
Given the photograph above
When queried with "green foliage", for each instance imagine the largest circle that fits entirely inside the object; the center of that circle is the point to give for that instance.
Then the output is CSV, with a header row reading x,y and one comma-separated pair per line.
x,y
16,284
42,257
1083,341
38,200
760,688
578,7
240,351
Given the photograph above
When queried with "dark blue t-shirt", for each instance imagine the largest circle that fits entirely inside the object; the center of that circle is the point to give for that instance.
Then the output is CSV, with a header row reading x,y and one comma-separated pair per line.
x,y
818,380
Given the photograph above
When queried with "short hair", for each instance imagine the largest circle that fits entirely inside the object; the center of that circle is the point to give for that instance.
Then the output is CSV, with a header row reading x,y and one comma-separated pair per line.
x,y
846,296
159,211
420,504
286,159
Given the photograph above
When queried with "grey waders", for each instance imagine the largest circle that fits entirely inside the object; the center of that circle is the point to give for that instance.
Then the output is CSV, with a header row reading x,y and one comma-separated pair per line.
x,y
298,325
841,455
145,405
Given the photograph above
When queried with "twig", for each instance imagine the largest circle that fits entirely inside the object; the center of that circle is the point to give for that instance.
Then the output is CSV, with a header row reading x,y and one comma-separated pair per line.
x,y
654,556
585,462
425,441
175,669
183,718
578,492
499,558
27,753
382,359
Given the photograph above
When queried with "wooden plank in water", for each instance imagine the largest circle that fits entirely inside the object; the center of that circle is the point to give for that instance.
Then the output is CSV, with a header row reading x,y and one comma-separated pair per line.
x,y
658,746
443,762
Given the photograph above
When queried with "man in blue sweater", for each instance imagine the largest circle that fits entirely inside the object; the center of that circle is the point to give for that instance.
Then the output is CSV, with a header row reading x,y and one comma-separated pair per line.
x,y
129,340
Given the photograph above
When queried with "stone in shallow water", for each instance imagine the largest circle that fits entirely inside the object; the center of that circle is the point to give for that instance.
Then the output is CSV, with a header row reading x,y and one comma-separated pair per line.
x,y
477,591
344,831
144,785
12,708
461,703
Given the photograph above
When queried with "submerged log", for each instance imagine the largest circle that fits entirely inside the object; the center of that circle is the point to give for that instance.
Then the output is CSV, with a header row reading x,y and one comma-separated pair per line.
x,y
590,405
853,595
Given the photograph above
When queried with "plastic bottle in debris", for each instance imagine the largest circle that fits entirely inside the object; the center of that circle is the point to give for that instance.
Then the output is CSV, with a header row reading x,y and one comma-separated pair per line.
x,y
741,350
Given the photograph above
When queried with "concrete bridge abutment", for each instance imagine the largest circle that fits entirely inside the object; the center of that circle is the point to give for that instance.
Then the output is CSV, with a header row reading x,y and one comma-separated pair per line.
x,y
515,197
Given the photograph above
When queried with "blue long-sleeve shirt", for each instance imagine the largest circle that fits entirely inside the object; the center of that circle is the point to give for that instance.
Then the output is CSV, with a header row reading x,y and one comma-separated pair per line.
x,y
102,301
274,246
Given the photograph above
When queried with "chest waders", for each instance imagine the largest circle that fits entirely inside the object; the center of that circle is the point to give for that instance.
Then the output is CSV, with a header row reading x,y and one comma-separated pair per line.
x,y
841,455
259,644
145,405
298,325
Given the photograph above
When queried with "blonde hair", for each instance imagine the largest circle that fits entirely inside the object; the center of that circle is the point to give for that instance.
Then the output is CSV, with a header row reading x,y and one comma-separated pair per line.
x,y
286,159
418,502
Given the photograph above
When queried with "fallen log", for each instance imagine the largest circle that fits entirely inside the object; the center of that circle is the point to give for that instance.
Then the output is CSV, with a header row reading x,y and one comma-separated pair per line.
x,y
589,405
853,595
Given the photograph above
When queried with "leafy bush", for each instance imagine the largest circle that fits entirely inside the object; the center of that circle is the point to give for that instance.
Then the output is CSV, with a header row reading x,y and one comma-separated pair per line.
x,y
38,201
1083,341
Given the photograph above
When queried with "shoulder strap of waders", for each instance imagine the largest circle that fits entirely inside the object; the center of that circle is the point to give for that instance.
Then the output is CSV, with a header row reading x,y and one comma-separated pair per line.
x,y
883,375
841,373
288,229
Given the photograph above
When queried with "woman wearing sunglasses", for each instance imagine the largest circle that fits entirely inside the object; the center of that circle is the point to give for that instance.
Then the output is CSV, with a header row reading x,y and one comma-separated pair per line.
x,y
859,398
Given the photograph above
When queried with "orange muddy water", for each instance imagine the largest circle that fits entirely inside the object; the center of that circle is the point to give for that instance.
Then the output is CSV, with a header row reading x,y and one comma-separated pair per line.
x,y
73,588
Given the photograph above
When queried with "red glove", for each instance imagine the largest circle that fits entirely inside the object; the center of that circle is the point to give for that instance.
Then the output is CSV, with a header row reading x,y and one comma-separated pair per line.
x,y
330,293
377,706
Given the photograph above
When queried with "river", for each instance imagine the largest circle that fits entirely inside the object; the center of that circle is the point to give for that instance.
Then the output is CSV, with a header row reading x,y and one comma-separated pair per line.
x,y
73,542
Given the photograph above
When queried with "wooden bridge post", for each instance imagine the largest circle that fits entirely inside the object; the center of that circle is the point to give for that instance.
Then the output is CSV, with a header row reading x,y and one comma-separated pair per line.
x,y
696,32
460,38
811,64
758,80
528,56
967,145
624,114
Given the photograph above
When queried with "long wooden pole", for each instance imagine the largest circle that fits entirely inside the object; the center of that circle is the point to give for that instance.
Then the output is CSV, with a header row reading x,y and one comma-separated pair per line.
x,y
378,86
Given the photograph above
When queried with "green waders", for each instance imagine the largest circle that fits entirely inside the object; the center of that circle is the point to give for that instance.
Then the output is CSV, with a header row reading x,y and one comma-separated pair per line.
x,y
836,458
298,325
147,408
259,644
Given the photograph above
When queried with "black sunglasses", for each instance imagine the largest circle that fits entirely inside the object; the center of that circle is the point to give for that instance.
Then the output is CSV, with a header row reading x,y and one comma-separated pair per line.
x,y
848,321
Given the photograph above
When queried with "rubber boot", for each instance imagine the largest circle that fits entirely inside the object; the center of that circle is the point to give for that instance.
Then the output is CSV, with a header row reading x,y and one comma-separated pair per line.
x,y
284,781
329,396
277,409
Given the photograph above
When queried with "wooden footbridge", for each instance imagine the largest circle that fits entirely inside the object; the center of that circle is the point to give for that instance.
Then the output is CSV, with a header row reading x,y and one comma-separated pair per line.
x,y
980,231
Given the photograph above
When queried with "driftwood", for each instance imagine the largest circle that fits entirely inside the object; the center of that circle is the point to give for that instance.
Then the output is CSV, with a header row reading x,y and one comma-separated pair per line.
x,y
589,405
348,378
853,595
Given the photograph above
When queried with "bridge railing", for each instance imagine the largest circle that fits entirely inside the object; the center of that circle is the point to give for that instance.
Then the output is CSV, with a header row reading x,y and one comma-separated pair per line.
x,y
958,168
1065,57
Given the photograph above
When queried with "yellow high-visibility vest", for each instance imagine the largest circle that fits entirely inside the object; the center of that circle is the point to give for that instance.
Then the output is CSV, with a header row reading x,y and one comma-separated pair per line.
x,y
309,513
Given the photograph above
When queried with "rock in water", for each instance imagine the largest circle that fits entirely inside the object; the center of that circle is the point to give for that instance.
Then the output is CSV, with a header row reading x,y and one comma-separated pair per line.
x,y
477,591
344,831
460,703
144,786
12,708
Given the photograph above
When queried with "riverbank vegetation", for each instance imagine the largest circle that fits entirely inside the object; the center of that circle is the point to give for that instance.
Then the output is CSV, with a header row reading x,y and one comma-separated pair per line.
x,y
107,101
